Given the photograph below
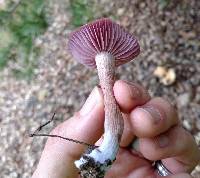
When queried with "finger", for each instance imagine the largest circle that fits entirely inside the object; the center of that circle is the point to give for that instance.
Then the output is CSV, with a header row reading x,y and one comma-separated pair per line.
x,y
177,145
153,118
129,95
87,125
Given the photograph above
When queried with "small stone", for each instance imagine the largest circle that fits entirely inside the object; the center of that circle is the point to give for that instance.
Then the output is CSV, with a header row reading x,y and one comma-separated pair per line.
x,y
184,99
1,100
120,11
38,42
198,55
187,125
41,95
142,5
197,139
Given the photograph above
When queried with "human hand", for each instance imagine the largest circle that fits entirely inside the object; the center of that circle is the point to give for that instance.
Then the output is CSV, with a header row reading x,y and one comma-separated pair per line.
x,y
155,123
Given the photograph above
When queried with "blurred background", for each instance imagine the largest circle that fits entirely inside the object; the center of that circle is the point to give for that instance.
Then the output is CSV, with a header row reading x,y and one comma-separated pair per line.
x,y
38,76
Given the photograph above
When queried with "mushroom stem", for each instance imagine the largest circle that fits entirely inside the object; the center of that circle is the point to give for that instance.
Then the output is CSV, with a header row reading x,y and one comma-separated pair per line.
x,y
96,163
113,118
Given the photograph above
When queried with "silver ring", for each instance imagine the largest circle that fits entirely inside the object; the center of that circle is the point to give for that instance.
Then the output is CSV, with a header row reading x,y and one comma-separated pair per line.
x,y
161,169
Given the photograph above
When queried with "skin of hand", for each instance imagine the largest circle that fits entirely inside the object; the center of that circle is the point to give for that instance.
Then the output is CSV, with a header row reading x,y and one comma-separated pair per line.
x,y
152,120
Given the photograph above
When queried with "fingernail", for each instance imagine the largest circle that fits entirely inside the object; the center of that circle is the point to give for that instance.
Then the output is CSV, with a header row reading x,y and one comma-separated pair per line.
x,y
163,141
134,91
154,113
93,99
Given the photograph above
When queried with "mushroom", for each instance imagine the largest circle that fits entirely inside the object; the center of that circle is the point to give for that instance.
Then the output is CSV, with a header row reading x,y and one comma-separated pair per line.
x,y
103,44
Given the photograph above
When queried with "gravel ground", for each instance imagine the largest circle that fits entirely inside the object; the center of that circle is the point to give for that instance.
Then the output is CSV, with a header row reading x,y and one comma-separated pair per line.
x,y
169,37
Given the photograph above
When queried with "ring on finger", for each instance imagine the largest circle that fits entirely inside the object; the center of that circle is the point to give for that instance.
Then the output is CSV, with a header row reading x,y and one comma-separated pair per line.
x,y
158,165
161,169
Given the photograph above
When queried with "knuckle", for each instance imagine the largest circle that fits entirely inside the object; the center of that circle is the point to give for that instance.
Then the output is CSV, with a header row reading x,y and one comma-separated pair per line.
x,y
168,108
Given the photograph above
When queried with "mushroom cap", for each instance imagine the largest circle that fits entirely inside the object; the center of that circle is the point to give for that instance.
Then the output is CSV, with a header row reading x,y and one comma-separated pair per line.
x,y
102,35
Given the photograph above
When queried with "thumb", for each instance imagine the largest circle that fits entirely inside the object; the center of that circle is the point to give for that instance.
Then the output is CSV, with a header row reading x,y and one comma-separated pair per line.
x,y
58,157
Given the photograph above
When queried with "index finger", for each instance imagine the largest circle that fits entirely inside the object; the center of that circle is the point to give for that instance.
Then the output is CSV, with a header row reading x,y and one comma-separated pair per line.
x,y
130,95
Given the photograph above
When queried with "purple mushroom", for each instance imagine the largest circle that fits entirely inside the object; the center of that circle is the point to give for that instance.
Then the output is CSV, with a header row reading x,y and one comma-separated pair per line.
x,y
103,44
